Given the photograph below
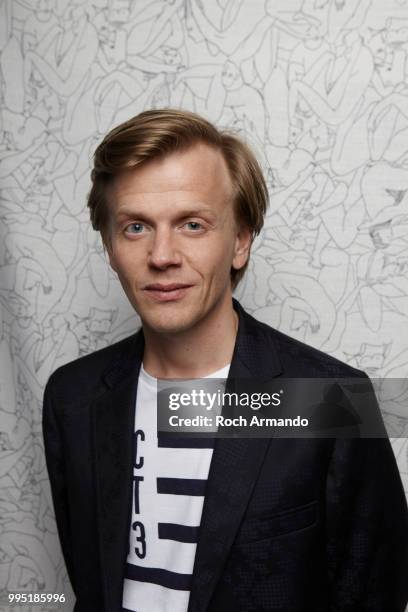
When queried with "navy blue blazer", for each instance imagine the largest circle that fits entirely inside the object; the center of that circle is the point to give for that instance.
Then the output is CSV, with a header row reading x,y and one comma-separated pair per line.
x,y
288,525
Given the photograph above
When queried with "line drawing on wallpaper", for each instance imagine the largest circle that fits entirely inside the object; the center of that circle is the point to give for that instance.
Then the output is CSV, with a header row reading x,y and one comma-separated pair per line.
x,y
318,87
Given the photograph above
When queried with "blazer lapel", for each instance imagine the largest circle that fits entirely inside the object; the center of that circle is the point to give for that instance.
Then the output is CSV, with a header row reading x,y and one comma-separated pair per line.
x,y
234,468
113,423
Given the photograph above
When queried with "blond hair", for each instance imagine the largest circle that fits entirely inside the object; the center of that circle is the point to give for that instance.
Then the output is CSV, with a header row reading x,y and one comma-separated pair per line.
x,y
156,133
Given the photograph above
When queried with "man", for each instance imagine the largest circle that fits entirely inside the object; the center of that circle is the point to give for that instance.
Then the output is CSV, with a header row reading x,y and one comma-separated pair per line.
x,y
174,524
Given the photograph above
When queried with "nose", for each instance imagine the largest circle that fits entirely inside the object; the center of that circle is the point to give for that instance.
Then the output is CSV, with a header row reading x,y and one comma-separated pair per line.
x,y
163,252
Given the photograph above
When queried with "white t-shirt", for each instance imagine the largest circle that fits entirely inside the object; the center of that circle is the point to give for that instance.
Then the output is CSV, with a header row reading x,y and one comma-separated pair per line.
x,y
168,496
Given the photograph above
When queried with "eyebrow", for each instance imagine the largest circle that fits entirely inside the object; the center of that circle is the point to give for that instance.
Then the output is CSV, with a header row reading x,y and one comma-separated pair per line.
x,y
124,213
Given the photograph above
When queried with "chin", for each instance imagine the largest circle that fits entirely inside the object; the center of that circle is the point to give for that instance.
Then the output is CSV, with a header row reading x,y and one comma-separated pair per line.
x,y
167,322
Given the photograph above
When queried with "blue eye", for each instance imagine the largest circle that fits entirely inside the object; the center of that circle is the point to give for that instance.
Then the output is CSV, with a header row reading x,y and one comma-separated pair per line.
x,y
135,228
194,225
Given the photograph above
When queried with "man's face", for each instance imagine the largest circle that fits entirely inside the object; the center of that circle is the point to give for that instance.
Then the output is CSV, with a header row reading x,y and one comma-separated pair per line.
x,y
174,238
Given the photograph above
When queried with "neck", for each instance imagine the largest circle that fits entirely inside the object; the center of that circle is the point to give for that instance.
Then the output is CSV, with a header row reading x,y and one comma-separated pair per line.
x,y
196,352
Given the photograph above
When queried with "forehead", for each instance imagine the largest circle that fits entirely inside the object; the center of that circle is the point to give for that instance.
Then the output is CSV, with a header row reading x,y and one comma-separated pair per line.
x,y
197,171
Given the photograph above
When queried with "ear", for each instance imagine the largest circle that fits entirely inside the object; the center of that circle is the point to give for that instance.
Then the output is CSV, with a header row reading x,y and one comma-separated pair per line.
x,y
242,248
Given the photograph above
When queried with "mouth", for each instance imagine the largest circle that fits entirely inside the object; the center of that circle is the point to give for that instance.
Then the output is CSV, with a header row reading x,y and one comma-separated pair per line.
x,y
161,292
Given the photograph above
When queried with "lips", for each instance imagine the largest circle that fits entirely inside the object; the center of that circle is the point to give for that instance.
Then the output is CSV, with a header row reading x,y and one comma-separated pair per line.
x,y
166,287
167,292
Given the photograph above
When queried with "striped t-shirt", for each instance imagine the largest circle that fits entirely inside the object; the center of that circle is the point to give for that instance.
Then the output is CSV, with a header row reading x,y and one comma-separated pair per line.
x,y
169,479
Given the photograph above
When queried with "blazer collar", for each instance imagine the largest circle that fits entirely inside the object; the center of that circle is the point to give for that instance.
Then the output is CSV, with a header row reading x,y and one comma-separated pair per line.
x,y
255,354
234,460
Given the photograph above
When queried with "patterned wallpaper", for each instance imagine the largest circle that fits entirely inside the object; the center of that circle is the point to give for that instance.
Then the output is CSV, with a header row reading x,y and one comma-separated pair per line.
x,y
319,88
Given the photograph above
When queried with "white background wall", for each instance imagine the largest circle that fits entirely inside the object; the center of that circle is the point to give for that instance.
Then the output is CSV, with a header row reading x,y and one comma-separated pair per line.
x,y
318,87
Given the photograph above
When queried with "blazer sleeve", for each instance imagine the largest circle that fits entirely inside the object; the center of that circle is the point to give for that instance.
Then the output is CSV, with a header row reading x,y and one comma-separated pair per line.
x,y
54,456
367,528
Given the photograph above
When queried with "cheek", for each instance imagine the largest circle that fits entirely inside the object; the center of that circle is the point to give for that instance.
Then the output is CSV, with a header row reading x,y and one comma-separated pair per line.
x,y
125,263
213,258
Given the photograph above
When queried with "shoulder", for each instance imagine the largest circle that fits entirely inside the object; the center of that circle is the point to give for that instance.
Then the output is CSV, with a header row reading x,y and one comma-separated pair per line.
x,y
310,358
87,372
300,359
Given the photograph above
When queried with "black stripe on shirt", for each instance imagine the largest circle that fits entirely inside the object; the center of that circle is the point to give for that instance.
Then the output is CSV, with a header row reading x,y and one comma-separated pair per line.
x,y
181,486
154,575
164,441
180,533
